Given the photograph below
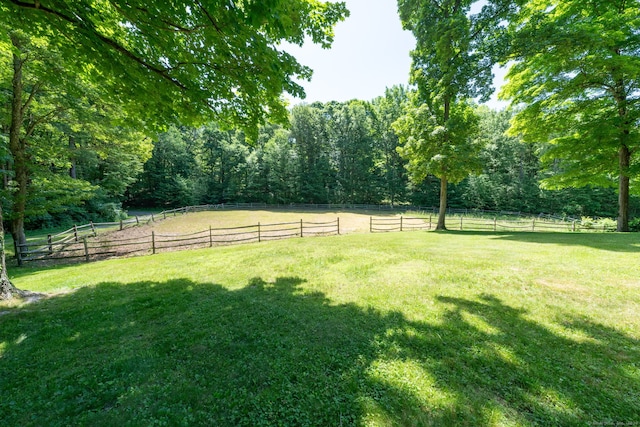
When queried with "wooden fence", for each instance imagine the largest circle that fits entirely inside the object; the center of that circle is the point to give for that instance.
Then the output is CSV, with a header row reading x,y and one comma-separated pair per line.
x,y
85,244
377,225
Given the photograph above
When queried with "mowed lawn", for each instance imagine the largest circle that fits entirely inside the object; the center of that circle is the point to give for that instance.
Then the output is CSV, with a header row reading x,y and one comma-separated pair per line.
x,y
414,328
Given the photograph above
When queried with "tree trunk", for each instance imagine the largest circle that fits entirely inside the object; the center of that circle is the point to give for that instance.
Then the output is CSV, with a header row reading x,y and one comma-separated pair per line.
x,y
17,147
624,154
18,234
623,190
7,290
443,204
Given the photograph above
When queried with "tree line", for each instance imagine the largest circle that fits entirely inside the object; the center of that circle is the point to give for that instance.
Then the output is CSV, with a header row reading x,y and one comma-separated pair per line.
x,y
348,152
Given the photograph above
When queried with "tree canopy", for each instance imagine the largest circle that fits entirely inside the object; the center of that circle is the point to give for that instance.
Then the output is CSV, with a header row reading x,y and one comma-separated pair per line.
x,y
576,77
163,60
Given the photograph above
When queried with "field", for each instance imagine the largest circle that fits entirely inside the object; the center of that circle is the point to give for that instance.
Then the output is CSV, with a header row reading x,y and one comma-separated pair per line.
x,y
420,328
349,221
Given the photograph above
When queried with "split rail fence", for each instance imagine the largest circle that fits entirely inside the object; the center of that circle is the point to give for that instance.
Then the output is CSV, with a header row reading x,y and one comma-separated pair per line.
x,y
85,244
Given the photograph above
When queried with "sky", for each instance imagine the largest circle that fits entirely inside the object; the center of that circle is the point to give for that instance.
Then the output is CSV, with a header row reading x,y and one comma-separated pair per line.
x,y
370,52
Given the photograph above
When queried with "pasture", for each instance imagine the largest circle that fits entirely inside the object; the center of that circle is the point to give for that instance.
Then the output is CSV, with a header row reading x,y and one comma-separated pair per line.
x,y
421,328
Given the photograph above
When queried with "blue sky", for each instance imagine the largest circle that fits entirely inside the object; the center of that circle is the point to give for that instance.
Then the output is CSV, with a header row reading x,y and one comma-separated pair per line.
x,y
370,52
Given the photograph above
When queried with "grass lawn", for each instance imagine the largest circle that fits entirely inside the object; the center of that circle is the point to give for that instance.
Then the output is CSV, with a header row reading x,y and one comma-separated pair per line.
x,y
443,329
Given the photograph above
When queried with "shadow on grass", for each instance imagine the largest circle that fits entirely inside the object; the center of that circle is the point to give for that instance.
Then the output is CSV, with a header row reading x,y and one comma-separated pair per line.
x,y
272,353
614,242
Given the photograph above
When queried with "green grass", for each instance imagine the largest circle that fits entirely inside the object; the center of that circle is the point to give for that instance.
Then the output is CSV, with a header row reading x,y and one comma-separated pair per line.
x,y
443,329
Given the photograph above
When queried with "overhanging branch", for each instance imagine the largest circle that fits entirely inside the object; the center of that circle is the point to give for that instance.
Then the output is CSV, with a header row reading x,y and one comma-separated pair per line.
x,y
113,44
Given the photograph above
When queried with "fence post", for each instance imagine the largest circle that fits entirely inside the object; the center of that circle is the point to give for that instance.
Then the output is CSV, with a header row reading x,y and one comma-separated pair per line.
x,y
430,221
400,222
259,239
533,225
152,218
120,225
153,242
370,224
86,249
50,244
164,215
338,225
461,222
574,226
93,228
137,220
495,223
75,232
300,227
210,237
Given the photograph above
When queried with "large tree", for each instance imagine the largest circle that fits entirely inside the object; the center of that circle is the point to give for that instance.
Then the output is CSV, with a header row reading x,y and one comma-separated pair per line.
x,y
451,62
60,122
577,77
165,61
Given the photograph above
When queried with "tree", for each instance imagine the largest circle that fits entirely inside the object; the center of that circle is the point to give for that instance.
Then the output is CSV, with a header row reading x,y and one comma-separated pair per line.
x,y
311,144
450,64
281,163
168,177
164,60
577,77
349,129
448,151
57,108
223,157
388,109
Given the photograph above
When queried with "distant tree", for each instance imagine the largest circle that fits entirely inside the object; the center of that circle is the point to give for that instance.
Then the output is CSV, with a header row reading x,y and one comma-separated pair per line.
x,y
577,77
448,151
223,156
312,147
167,179
281,163
350,131
388,109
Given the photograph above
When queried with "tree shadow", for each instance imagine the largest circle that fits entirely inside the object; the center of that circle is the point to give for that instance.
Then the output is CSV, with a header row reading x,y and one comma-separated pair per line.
x,y
613,242
275,353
